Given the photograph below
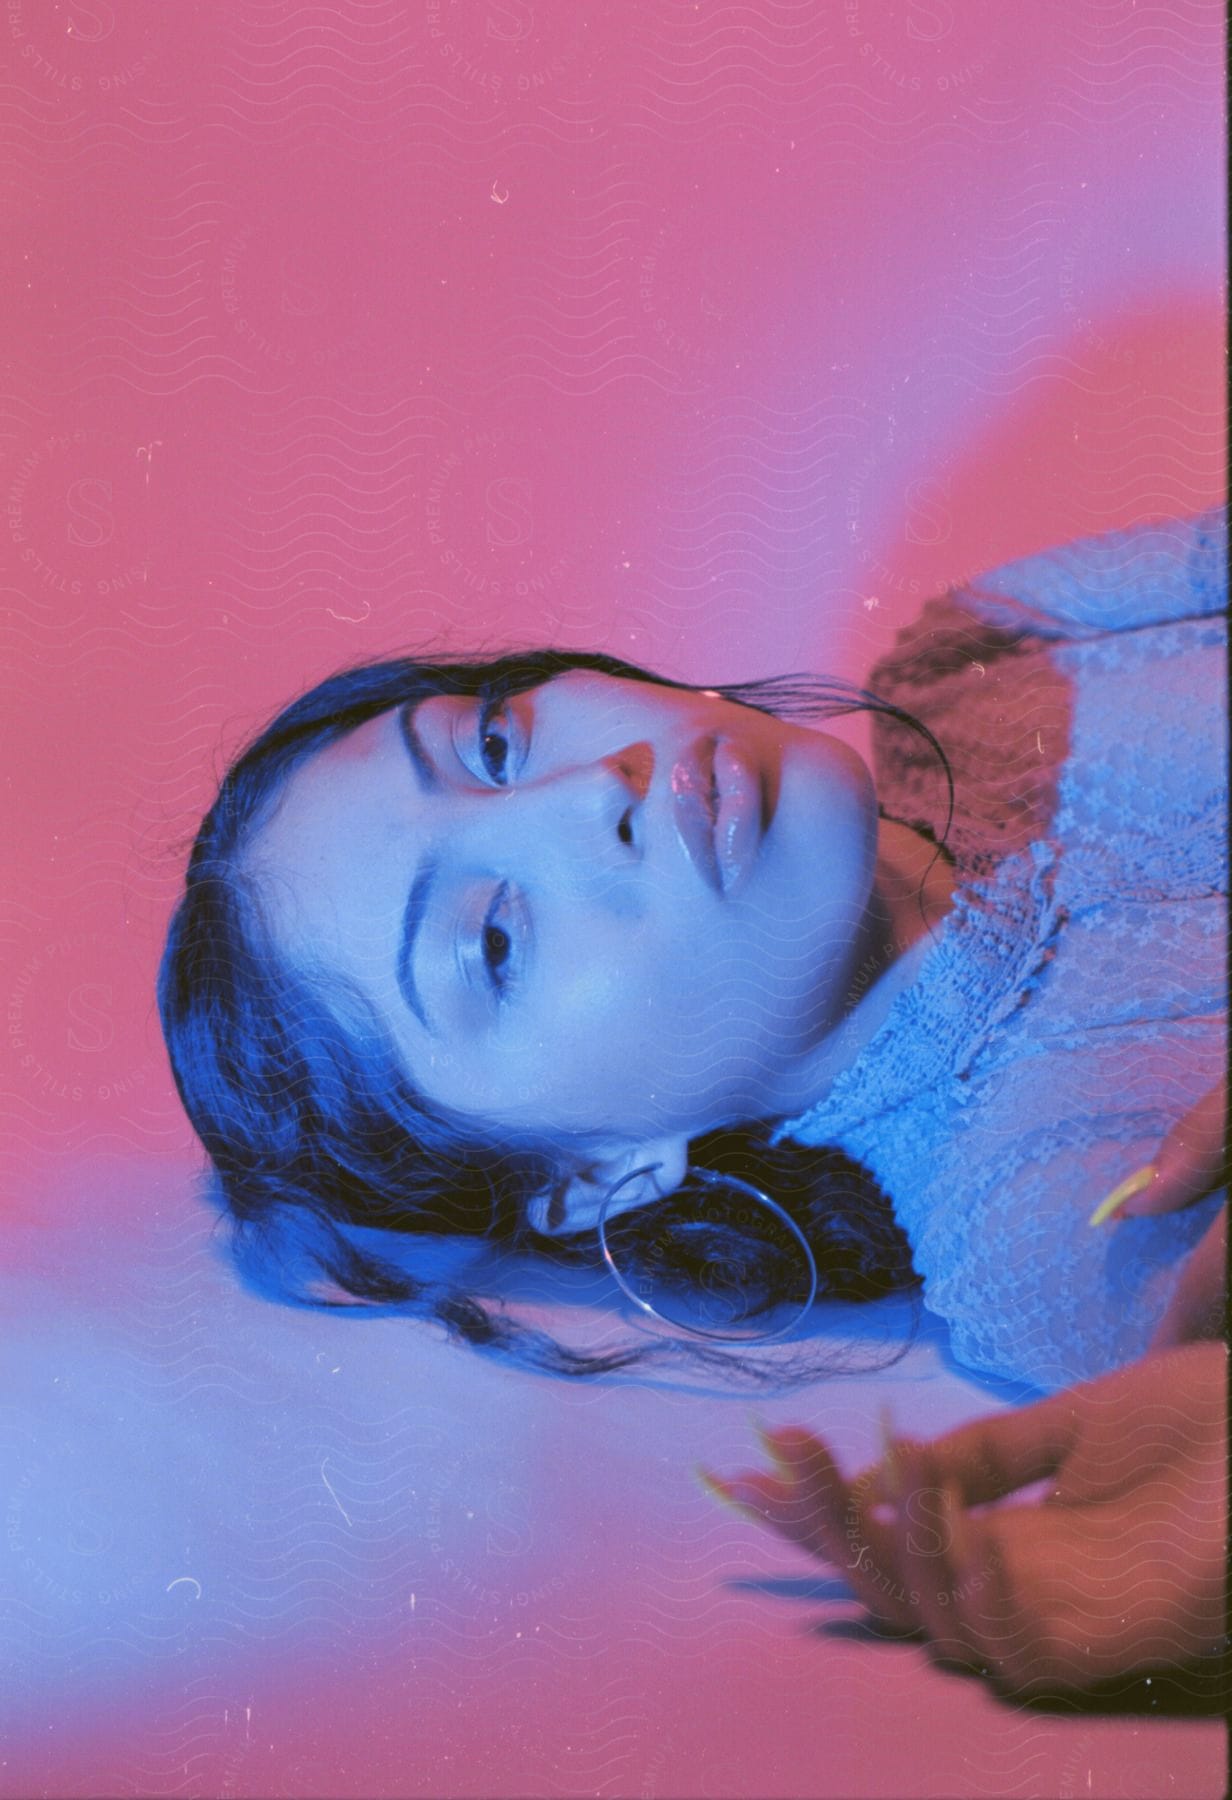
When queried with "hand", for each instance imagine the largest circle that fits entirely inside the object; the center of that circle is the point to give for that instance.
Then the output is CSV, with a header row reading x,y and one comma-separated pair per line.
x,y
1120,1569
1199,1304
1192,1162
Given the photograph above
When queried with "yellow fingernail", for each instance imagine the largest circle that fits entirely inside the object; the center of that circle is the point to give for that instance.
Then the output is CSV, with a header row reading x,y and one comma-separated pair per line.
x,y
1133,1184
718,1490
889,1457
772,1450
960,1538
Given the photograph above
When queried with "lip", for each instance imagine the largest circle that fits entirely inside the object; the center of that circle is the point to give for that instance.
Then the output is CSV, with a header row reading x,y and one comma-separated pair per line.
x,y
717,810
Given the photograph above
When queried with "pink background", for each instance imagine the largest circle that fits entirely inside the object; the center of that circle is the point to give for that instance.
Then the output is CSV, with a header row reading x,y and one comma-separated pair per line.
x,y
718,336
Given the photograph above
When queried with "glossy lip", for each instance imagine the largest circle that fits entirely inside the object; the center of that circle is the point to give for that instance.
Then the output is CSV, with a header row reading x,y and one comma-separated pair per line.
x,y
740,821
717,808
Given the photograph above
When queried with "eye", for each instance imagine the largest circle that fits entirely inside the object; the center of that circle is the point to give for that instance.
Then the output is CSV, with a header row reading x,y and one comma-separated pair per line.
x,y
497,946
494,741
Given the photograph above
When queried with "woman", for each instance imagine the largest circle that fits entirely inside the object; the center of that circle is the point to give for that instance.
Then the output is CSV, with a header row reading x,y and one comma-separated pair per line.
x,y
504,951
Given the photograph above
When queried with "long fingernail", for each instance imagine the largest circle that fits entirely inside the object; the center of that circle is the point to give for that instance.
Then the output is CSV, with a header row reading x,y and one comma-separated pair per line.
x,y
890,1480
1133,1184
718,1490
960,1537
772,1449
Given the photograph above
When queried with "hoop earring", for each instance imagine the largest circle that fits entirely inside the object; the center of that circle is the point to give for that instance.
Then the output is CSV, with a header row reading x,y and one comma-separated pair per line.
x,y
711,1179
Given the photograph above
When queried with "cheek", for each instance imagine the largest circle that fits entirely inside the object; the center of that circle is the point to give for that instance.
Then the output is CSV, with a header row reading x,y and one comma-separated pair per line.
x,y
609,1027
590,996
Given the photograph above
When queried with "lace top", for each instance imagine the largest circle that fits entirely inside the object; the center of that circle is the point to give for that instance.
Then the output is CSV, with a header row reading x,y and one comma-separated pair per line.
x,y
1072,1005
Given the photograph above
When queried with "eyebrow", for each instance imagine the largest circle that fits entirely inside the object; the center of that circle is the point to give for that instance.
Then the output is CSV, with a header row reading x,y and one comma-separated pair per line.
x,y
413,917
420,895
426,775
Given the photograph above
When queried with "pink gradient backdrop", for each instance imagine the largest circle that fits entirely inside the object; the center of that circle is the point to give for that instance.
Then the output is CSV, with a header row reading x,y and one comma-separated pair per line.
x,y
717,336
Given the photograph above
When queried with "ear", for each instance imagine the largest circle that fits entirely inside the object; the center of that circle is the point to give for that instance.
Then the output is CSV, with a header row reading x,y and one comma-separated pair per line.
x,y
575,1201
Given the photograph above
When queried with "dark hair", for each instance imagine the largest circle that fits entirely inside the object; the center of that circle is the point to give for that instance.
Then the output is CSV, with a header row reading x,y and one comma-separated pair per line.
x,y
323,1151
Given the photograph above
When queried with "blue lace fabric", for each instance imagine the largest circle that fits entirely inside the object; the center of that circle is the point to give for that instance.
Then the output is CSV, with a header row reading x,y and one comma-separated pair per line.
x,y
1072,1005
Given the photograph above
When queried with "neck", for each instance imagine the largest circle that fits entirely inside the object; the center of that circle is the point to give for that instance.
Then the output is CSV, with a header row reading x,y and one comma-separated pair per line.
x,y
896,935
915,881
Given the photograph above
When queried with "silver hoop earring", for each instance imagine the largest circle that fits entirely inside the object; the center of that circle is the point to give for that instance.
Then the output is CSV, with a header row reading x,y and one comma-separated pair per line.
x,y
634,1249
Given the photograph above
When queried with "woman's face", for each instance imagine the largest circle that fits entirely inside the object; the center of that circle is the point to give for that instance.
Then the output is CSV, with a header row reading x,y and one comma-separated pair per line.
x,y
540,909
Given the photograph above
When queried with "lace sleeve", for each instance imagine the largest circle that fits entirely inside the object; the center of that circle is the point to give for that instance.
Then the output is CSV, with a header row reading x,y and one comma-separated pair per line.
x,y
1150,574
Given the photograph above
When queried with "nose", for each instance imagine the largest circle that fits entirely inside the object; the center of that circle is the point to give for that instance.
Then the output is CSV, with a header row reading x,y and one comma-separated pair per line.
x,y
604,797
592,810
633,767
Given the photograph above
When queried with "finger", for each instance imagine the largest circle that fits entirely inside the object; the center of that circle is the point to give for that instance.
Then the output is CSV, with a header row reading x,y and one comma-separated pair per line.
x,y
992,1456
997,1620
871,1562
763,1497
799,1454
1199,1305
1152,1577
771,1500
1018,1622
843,1529
1146,1415
1065,1598
812,1520
935,1543
807,1463
1192,1161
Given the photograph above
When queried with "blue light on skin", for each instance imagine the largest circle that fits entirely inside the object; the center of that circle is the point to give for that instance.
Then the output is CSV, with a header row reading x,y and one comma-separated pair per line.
x,y
572,971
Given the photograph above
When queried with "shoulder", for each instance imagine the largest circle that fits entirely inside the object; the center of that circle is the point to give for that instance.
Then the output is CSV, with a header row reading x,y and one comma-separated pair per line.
x,y
979,668
1153,573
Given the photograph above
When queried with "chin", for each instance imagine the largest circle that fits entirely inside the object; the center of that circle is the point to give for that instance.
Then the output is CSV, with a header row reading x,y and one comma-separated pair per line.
x,y
827,799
